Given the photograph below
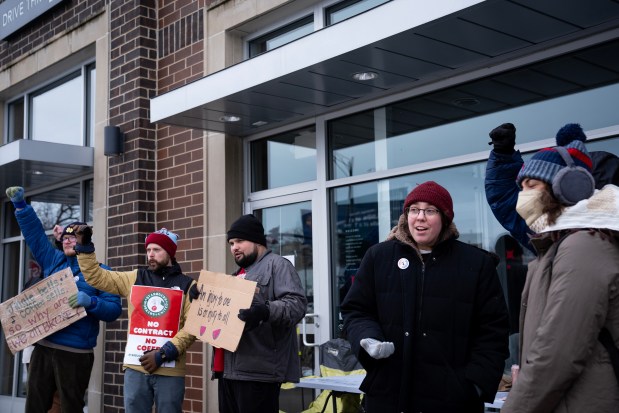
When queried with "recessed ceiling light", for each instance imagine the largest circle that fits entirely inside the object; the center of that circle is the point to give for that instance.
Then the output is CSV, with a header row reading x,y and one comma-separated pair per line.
x,y
259,123
364,76
35,172
229,118
465,102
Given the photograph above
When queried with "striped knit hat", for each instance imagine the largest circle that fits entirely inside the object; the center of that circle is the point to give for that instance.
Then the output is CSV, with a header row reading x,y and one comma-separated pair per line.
x,y
165,239
546,163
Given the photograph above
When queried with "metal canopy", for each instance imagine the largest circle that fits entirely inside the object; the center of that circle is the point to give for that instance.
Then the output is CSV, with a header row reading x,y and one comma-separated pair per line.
x,y
37,164
270,91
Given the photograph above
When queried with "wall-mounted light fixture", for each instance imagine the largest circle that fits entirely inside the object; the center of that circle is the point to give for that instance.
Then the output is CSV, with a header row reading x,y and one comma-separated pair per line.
x,y
114,141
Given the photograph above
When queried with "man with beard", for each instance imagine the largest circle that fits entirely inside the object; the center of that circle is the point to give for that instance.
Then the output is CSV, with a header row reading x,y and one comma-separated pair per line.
x,y
267,355
158,374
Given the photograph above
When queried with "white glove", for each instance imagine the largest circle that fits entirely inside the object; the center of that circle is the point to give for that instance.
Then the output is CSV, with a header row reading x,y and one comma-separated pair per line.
x,y
377,349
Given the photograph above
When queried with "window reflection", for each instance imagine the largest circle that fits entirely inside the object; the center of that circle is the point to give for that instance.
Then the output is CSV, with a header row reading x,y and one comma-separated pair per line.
x,y
422,130
281,36
59,207
285,159
288,230
348,8
364,214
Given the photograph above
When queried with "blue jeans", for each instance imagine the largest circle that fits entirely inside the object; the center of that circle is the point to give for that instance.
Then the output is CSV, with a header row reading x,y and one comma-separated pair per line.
x,y
142,390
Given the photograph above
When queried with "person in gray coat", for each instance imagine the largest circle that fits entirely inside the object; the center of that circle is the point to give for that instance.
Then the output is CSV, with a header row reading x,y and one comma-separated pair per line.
x,y
571,294
267,354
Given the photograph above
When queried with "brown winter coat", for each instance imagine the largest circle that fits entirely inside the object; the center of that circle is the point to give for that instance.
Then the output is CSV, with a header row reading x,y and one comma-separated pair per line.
x,y
567,299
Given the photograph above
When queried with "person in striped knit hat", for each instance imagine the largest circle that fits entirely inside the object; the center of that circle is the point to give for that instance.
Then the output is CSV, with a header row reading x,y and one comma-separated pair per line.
x,y
570,307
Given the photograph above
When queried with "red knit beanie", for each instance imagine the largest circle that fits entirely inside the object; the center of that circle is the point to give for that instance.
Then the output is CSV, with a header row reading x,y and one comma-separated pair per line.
x,y
434,194
165,239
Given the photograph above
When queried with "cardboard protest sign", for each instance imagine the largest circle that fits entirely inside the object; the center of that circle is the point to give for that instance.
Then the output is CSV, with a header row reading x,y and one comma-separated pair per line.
x,y
40,310
213,315
154,321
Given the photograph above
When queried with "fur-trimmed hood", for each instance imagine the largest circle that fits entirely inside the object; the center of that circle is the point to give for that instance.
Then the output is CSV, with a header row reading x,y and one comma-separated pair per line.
x,y
401,233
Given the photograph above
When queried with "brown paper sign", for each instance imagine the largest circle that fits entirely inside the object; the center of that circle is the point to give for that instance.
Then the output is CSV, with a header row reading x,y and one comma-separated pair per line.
x,y
213,315
40,310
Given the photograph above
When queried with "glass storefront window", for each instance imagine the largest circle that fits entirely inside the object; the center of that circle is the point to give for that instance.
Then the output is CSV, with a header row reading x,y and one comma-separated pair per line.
x,y
91,72
16,120
10,287
60,105
364,214
59,207
11,229
416,131
89,199
285,159
288,230
349,8
281,36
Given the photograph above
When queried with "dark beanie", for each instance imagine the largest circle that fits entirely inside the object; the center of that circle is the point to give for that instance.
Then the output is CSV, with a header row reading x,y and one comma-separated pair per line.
x,y
434,194
71,228
569,133
247,228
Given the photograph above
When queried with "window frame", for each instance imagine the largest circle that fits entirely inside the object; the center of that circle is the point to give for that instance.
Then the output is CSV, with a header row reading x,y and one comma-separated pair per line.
x,y
84,70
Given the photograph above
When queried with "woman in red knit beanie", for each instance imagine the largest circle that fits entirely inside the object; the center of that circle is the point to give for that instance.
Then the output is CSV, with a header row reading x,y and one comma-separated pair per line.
x,y
426,315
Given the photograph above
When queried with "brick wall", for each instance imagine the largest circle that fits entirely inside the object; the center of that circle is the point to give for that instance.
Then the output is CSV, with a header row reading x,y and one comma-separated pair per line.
x,y
158,182
40,32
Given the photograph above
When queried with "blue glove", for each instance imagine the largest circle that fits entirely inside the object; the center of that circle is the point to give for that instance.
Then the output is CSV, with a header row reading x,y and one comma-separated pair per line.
x,y
81,299
16,195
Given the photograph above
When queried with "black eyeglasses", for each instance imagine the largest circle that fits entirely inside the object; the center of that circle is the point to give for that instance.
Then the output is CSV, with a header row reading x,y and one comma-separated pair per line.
x,y
428,212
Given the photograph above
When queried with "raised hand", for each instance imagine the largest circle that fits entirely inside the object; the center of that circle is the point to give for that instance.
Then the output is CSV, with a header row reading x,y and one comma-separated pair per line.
x,y
503,138
83,239
16,195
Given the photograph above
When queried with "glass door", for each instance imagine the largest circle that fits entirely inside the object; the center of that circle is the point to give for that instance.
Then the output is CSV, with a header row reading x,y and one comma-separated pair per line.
x,y
289,224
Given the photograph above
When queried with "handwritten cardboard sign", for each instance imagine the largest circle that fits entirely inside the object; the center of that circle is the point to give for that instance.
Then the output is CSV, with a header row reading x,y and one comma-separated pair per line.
x,y
40,310
213,315
154,321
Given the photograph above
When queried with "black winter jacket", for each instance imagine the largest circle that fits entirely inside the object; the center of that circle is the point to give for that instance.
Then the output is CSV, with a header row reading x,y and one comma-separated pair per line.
x,y
447,319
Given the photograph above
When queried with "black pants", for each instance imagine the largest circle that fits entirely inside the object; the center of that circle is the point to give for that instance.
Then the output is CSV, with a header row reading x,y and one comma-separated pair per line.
x,y
236,396
52,369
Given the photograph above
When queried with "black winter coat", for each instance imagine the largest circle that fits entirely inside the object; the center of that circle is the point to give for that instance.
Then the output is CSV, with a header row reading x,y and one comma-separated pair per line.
x,y
447,319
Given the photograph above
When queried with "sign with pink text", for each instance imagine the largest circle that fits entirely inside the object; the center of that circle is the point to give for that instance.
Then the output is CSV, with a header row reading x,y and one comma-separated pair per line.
x,y
213,316
154,321
40,310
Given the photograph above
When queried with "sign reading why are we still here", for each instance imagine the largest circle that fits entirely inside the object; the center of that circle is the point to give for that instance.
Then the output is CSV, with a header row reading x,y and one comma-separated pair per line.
x,y
213,315
154,321
40,310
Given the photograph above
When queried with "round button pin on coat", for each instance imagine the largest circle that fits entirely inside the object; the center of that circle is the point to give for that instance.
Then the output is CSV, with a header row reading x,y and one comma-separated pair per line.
x,y
403,263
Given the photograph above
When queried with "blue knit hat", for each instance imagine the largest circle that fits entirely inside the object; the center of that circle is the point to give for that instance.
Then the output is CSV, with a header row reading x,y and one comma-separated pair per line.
x,y
546,163
569,133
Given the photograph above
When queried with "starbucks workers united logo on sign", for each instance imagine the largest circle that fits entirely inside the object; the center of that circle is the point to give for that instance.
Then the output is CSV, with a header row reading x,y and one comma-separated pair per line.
x,y
155,304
